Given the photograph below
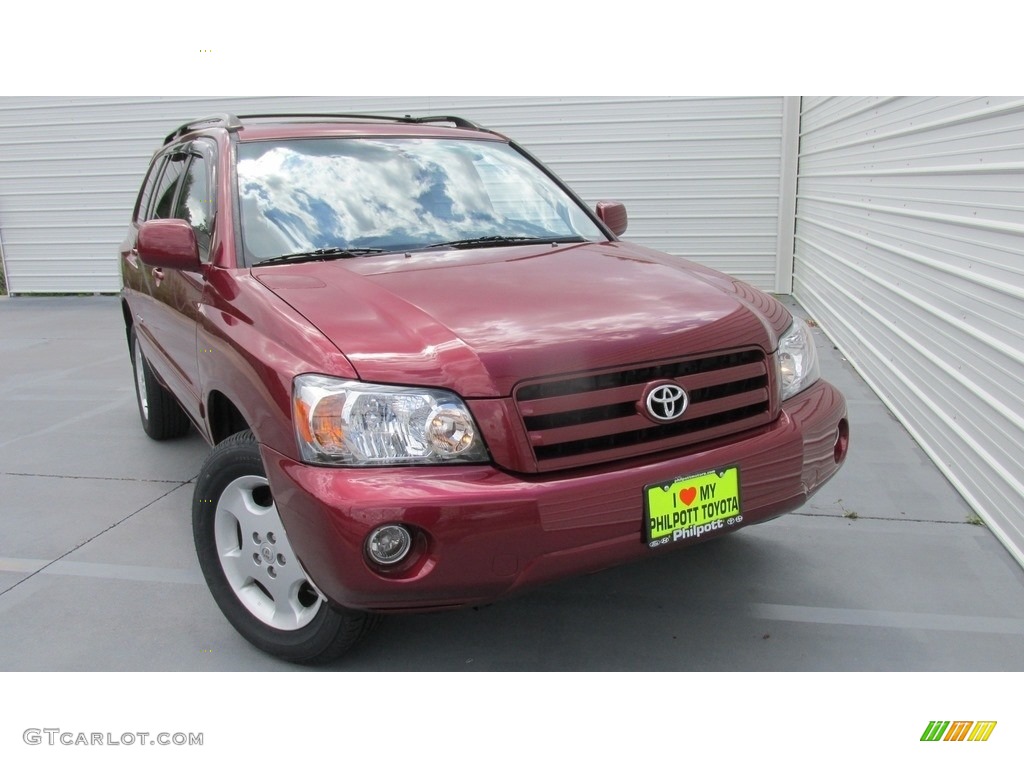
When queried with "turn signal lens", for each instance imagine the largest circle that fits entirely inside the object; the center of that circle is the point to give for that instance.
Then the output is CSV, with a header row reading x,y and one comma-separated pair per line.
x,y
301,408
326,422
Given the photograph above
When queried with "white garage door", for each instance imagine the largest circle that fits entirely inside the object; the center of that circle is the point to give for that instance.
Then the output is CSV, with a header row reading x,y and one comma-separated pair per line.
x,y
700,177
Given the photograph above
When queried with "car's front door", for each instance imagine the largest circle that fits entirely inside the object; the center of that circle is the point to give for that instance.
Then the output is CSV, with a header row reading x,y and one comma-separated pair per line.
x,y
170,311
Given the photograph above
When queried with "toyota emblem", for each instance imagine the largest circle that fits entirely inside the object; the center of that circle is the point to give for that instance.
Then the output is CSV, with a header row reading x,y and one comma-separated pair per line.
x,y
665,401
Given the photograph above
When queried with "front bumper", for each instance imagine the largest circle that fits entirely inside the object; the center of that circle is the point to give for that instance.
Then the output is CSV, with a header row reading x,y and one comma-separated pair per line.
x,y
486,532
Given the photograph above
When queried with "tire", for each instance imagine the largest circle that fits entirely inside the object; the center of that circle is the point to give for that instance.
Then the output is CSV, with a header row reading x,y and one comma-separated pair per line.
x,y
162,417
250,568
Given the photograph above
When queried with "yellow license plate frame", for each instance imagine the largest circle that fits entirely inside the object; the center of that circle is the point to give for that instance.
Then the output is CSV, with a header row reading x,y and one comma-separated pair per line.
x,y
691,507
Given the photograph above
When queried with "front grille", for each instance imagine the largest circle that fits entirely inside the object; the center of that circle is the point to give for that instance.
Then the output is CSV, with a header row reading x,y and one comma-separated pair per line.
x,y
588,418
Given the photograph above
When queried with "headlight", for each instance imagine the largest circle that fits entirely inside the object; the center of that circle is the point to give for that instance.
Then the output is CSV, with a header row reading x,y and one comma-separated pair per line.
x,y
338,421
798,359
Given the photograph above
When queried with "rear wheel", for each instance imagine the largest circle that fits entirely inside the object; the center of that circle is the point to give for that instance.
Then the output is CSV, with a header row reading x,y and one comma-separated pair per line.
x,y
252,571
162,417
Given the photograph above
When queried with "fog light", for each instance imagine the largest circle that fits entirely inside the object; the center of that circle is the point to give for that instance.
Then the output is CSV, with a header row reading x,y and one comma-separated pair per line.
x,y
388,544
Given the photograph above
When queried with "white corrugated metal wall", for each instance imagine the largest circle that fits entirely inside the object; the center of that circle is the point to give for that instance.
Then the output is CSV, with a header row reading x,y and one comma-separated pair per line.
x,y
910,253
700,177
909,231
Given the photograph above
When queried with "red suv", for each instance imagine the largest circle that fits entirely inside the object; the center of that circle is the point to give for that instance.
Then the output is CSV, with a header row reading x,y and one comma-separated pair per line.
x,y
432,376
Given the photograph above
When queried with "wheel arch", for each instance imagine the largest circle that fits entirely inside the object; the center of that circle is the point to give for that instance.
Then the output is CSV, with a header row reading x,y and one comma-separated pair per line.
x,y
224,417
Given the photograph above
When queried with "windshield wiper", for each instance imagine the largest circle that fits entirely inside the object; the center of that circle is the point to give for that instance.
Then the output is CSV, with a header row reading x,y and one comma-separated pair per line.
x,y
321,254
504,240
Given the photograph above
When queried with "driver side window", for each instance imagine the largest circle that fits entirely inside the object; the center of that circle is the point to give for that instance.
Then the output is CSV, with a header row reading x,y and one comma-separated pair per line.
x,y
165,189
195,202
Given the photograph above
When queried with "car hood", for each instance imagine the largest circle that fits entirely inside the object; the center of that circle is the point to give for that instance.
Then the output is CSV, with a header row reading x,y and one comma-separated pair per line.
x,y
480,321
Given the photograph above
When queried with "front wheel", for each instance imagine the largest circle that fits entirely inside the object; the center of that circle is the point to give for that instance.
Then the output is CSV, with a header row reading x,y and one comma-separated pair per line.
x,y
253,574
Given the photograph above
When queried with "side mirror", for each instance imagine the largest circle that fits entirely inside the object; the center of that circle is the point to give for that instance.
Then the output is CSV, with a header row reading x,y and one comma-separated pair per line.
x,y
613,215
168,243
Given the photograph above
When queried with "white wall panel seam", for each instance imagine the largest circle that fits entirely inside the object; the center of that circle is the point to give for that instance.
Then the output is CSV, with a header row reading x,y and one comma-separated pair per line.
x,y
924,398
916,213
786,214
888,114
992,311
894,197
1002,286
1009,351
880,138
936,170
813,105
996,414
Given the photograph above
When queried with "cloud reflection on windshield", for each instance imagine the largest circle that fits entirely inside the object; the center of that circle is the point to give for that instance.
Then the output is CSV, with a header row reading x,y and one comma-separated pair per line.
x,y
301,195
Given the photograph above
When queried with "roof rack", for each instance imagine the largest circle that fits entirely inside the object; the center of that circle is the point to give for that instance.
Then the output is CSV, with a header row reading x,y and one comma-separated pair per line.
x,y
458,122
234,122
222,119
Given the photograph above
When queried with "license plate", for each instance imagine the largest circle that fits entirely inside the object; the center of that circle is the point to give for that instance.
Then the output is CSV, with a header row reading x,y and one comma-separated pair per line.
x,y
691,507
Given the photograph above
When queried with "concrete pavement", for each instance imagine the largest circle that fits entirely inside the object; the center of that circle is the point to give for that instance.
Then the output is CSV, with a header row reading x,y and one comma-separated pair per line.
x,y
882,570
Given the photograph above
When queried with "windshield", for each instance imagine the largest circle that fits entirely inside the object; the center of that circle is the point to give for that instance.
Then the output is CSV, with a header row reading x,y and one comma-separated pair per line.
x,y
396,194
